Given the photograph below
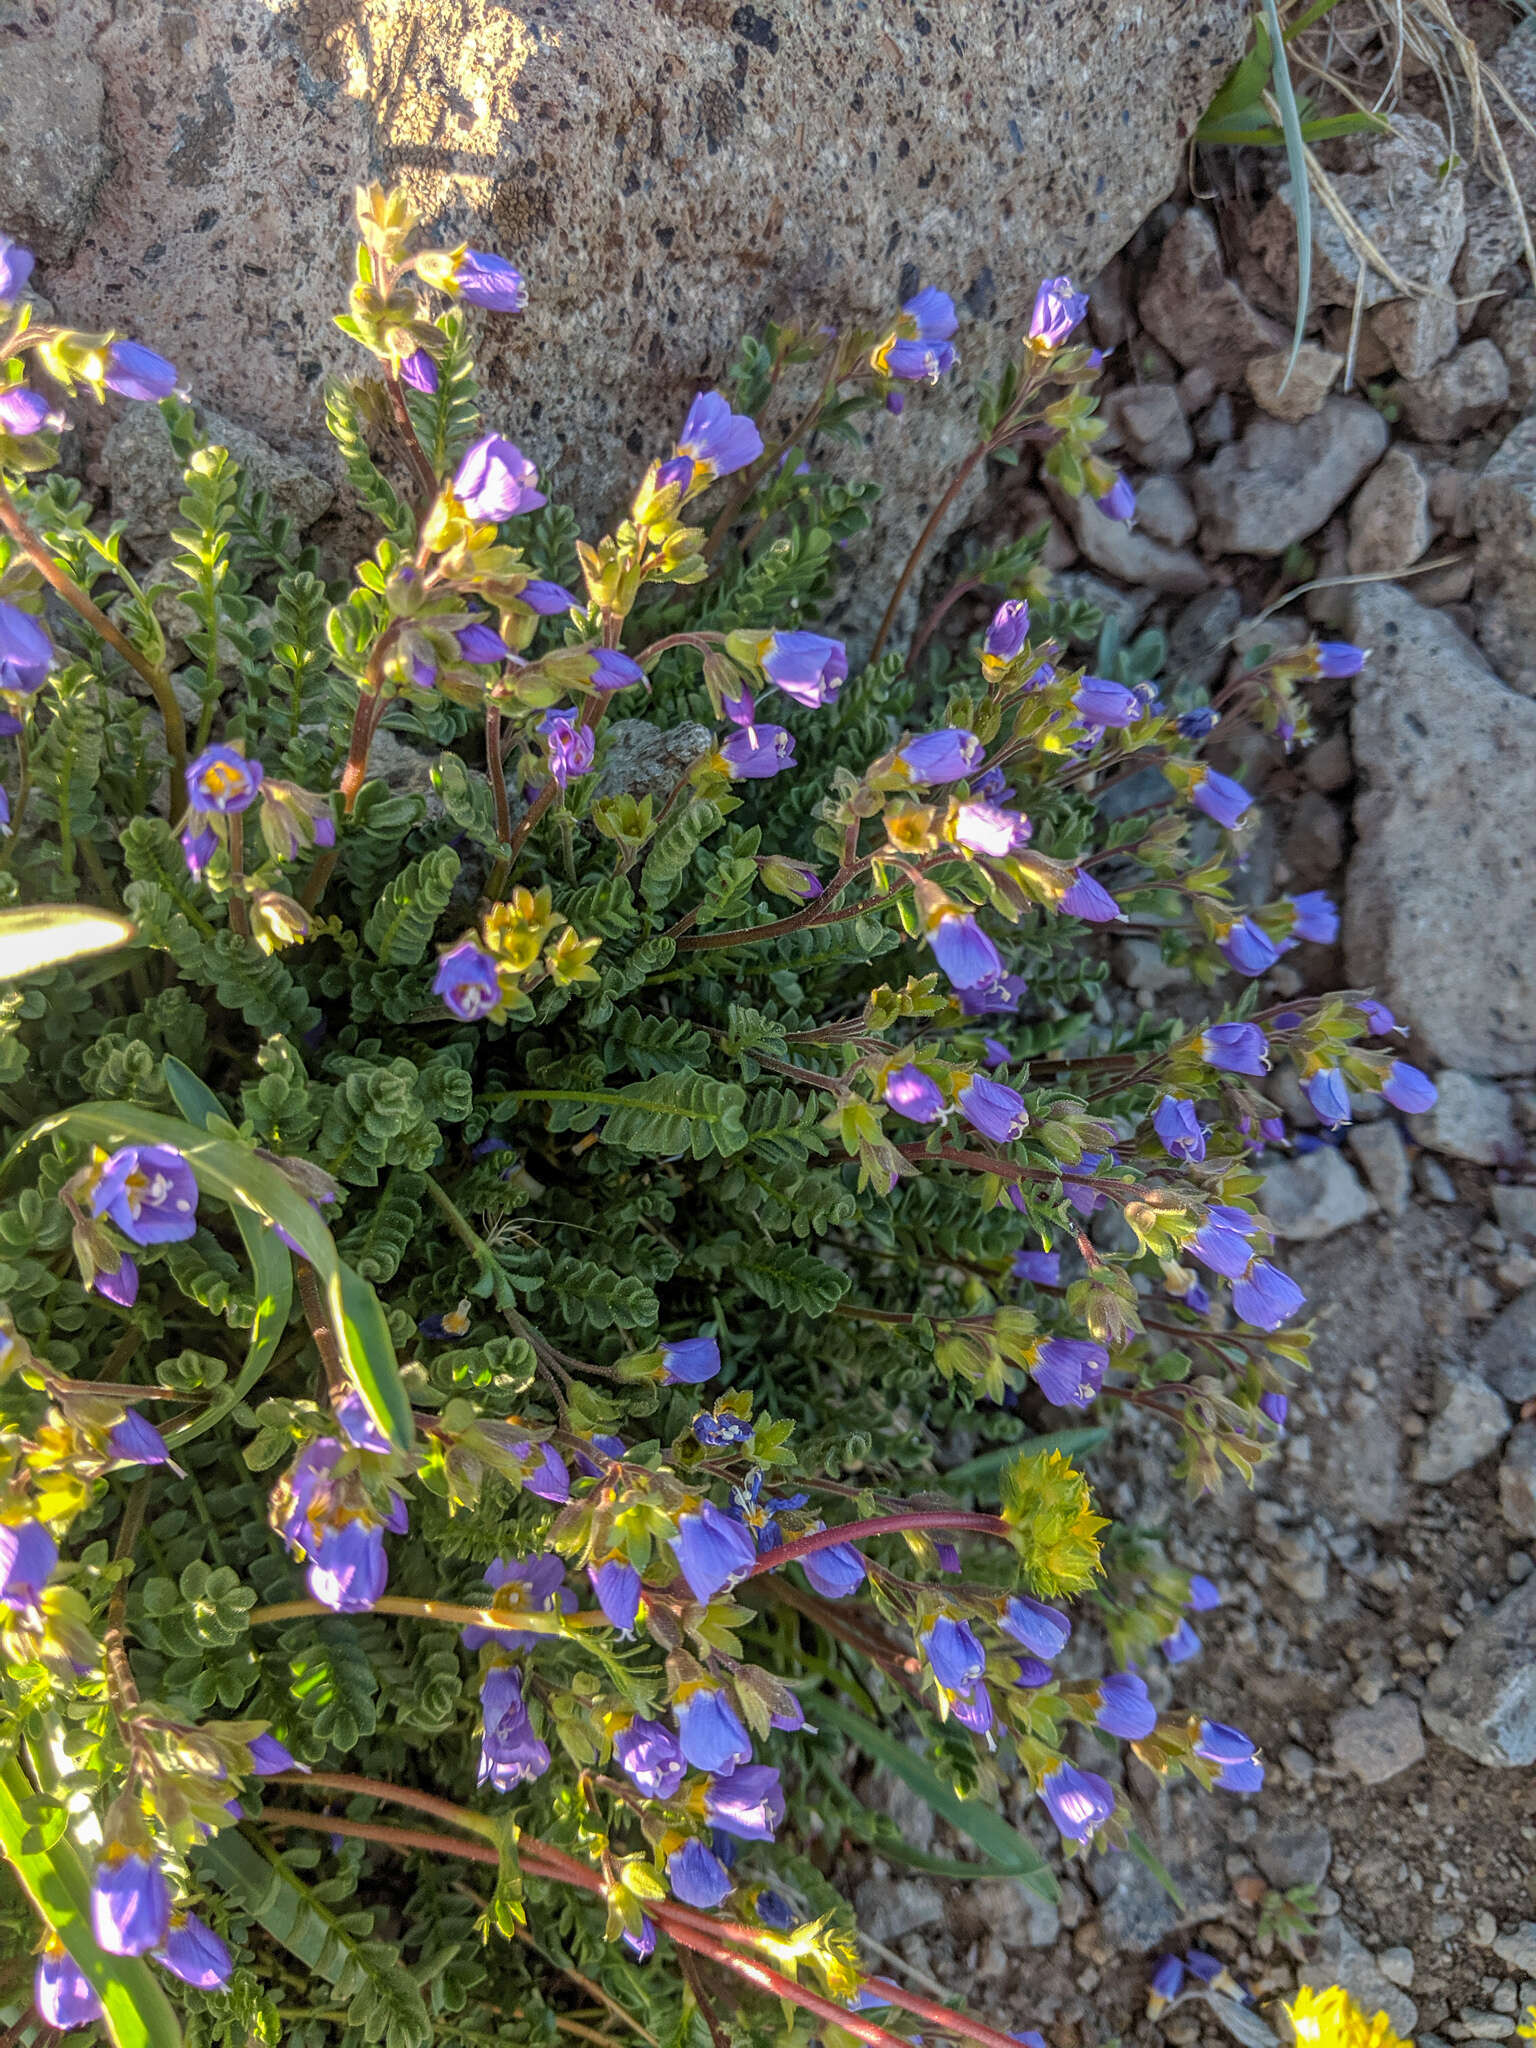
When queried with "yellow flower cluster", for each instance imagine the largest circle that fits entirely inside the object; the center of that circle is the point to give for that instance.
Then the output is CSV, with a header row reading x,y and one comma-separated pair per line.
x,y
1047,1501
1331,2019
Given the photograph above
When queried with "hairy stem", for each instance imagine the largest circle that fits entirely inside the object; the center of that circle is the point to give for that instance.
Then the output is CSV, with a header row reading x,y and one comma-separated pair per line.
x,y
421,469
924,539
880,1525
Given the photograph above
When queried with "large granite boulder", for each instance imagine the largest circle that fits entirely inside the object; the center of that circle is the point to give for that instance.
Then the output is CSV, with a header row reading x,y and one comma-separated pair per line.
x,y
666,172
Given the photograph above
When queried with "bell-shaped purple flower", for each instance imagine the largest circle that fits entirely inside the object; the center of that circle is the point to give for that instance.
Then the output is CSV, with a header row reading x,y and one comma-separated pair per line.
x,y
1235,1049
993,1108
1248,948
546,599
1379,1020
24,411
1069,1370
357,1425
712,1551
1275,1407
835,1572
932,757
130,1903
996,998
134,371
1222,1243
510,1752
1179,1128
1057,311
1181,1645
195,1954
806,666
718,440
15,268
616,1584
419,371
1008,632
1266,1297
1194,725
1033,1672
1317,917
747,1802
1044,1631
914,1095
64,1996
269,1756
26,652
198,847
1216,1742
708,1728
137,1442
1409,1089
954,1653
1204,1594
538,1587
990,829
120,1283
697,1876
919,349
611,668
348,1568
150,1193
28,1555
1221,799
1089,900
753,753
490,281
1337,659
222,781
571,744
1326,1092
650,1756
467,981
775,1911
1103,703
481,643
1118,502
689,1361
546,1475
1167,1982
1078,1802
495,480
972,1709
964,951
1125,1708
1041,1269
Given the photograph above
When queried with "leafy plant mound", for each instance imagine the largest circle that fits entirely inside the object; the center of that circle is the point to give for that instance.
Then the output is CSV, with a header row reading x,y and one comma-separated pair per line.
x,y
497,1269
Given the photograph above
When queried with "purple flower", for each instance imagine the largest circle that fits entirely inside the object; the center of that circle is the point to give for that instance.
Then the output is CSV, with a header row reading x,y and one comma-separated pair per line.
x,y
993,1108
642,1941
1181,1645
648,1754
1204,1594
539,1583
1379,1019
547,598
150,1193
1008,632
943,756
964,951
918,350
198,848
1041,1268
1033,1671
195,1954
1179,1128
1069,1370
130,1903
611,669
15,268
571,744
1244,1777
1337,659
835,1572
134,371
223,781
915,1095
467,981
690,1361
1057,311
1089,900
1124,1707
775,1911
28,1555
711,1735
510,1752
23,410
1276,1407
25,651
996,998
1327,1094
717,1431
1235,1048
269,1756
490,281
806,667
1247,948
545,1474
1044,1631
481,643
1221,799
1218,1743
754,752
747,1802
1077,1801
697,1876
121,1284
789,877
617,1586
495,480
996,1053
1167,1982
718,440
1408,1089
64,1996
419,371
1194,725
1118,502
973,1710
989,829
955,1655
137,1442
1266,1297
712,1551
1222,1243
1103,703
1316,917
348,1569
357,1425
674,474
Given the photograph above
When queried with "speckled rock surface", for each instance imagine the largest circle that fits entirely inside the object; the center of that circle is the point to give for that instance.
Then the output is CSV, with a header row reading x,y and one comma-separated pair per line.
x,y
667,174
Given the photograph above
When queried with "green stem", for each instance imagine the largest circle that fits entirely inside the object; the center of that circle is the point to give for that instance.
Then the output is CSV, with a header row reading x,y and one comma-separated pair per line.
x,y
448,1611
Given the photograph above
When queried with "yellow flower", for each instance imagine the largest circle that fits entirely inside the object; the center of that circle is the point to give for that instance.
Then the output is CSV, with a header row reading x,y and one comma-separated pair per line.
x,y
1527,2032
1331,2019
1047,1501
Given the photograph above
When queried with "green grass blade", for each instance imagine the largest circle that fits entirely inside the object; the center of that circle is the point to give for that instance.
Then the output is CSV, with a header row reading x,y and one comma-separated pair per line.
x,y
1072,1443
1301,190
1013,1853
136,2012
197,1102
36,936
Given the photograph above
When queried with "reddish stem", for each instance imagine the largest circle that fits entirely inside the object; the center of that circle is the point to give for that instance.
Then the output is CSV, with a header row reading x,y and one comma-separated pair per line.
x,y
879,1525
415,454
